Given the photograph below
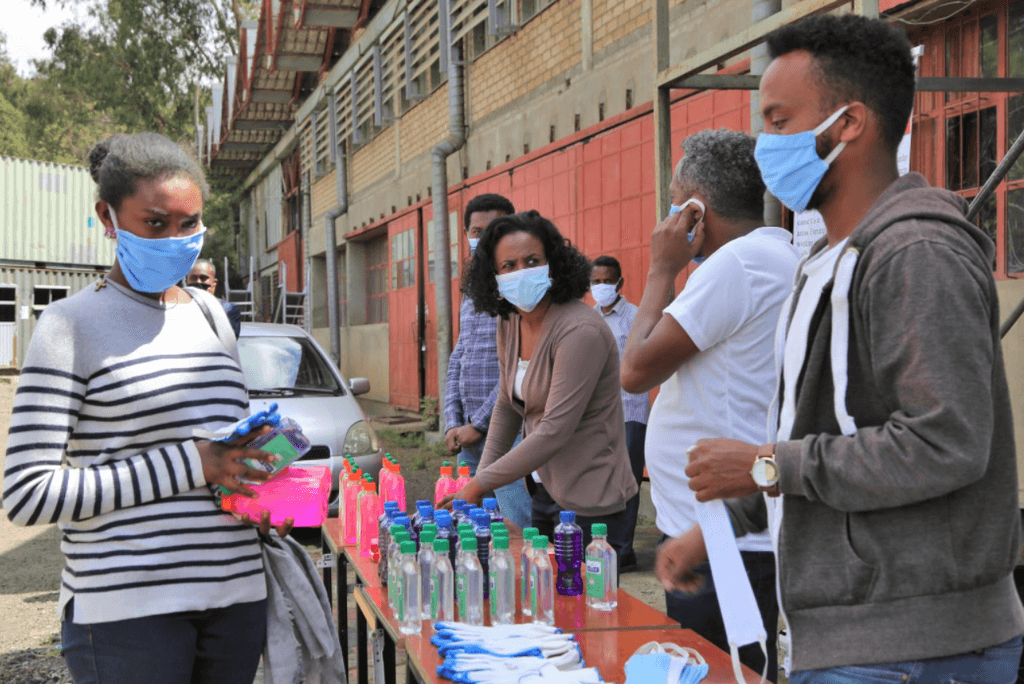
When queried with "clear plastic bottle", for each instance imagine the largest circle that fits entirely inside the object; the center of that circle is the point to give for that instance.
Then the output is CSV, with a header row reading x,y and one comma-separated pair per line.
x,y
403,520
442,584
524,569
417,515
350,511
385,568
446,532
469,590
569,555
410,607
462,530
384,523
491,506
602,570
542,594
501,578
367,528
494,535
425,557
444,484
459,511
424,515
398,536
482,529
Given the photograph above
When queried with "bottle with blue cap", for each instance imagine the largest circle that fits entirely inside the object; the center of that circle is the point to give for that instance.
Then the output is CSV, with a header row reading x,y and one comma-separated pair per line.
x,y
491,506
482,530
569,555
416,517
458,511
424,514
446,532
384,523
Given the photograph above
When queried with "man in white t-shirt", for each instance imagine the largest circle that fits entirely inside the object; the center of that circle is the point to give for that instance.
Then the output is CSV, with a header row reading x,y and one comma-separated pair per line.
x,y
711,350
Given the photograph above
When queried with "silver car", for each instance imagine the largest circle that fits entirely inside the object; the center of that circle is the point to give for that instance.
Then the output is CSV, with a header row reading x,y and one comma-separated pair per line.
x,y
283,364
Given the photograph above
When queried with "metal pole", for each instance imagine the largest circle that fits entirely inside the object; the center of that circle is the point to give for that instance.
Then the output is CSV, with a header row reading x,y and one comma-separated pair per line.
x,y
997,177
759,61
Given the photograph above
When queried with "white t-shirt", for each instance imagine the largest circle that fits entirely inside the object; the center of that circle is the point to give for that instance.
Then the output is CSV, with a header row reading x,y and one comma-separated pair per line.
x,y
818,272
729,308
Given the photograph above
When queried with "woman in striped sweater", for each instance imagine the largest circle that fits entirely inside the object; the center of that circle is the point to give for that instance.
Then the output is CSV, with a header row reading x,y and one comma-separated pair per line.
x,y
158,585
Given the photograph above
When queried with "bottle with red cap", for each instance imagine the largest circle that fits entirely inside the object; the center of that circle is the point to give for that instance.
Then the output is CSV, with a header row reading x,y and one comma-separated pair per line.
x,y
350,513
463,479
367,531
444,483
384,481
397,486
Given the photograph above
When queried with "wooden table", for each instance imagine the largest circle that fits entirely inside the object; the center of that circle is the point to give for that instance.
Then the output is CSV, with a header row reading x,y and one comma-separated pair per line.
x,y
332,542
608,651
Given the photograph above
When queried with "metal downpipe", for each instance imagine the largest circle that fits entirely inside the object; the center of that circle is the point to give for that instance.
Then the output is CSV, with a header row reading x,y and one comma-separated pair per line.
x,y
759,61
330,234
443,274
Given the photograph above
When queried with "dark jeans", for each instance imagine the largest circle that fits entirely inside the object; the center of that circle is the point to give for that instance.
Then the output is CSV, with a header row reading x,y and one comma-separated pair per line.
x,y
993,665
218,646
544,517
636,435
700,611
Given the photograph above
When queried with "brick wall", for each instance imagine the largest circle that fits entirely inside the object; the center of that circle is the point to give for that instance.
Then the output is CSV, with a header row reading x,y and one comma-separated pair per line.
x,y
323,197
424,125
548,46
373,161
615,19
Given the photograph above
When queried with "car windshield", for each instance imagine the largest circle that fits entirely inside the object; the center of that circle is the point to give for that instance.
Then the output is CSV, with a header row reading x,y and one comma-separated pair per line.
x,y
285,365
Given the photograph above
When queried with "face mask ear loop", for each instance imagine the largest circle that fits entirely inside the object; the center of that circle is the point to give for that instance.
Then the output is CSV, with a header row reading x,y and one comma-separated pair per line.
x,y
823,126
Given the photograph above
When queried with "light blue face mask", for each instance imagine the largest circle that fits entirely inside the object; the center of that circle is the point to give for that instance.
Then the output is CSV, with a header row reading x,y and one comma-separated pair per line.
x,y
676,208
155,265
790,165
525,288
664,668
473,242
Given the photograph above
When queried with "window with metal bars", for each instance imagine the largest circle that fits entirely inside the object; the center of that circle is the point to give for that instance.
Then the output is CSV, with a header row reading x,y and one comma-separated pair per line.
x,y
377,280
453,247
423,49
403,259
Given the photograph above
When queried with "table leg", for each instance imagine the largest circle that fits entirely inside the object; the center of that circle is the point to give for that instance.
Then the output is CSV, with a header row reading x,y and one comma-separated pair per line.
x,y
362,666
389,659
342,572
327,569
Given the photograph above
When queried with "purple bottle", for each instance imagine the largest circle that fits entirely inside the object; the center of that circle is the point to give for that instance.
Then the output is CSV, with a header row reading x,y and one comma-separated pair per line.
x,y
568,555
491,506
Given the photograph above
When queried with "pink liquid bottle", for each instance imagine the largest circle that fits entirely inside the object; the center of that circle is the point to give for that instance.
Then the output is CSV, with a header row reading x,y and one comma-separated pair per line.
x,y
383,484
463,477
367,531
397,487
444,483
349,511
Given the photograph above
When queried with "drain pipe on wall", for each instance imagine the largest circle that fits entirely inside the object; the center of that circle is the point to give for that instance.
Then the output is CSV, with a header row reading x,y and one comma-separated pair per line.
x,y
439,189
330,235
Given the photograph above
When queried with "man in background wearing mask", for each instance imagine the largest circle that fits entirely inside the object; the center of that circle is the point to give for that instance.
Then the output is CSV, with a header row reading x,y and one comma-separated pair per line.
x,y
204,276
471,389
890,463
710,350
606,283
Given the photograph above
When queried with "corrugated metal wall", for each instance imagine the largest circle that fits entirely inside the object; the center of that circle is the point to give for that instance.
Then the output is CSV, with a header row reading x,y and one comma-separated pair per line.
x,y
15,335
47,215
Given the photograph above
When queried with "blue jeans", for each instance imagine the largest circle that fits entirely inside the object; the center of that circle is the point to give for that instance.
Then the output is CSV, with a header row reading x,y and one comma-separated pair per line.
x,y
218,646
993,665
513,499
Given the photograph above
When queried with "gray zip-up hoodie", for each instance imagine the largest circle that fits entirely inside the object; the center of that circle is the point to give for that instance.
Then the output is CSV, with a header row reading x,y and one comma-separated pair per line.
x,y
900,521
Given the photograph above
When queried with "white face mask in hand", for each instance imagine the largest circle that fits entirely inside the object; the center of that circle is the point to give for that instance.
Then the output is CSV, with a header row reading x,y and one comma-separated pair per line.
x,y
676,208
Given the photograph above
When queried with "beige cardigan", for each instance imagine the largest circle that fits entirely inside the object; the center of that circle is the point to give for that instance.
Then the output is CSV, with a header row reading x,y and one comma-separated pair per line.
x,y
575,434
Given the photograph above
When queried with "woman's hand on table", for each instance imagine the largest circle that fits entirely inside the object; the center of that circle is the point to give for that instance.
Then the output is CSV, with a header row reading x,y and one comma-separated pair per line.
x,y
471,493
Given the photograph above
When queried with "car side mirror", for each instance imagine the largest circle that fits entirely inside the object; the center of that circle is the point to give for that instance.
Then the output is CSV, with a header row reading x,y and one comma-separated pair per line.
x,y
359,386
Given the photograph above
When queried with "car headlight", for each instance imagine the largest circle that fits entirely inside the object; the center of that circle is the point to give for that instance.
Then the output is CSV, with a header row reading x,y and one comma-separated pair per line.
x,y
361,439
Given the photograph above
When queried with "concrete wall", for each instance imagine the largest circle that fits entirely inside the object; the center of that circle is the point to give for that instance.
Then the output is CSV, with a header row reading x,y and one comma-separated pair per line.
x,y
364,354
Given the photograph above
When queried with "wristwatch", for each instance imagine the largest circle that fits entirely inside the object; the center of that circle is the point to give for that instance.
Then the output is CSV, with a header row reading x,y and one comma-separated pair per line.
x,y
765,471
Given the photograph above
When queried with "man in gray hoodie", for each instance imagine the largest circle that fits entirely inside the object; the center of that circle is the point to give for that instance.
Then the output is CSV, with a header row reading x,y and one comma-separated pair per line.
x,y
891,484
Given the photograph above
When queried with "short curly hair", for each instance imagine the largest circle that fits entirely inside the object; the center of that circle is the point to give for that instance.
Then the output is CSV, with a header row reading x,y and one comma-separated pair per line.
x,y
721,166
570,270
857,59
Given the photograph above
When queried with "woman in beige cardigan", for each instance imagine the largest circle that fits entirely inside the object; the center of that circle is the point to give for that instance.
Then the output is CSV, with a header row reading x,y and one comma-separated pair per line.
x,y
559,380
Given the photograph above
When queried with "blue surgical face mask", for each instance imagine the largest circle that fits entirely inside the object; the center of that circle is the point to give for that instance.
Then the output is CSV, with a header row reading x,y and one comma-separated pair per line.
x,y
790,165
525,288
473,242
155,265
676,208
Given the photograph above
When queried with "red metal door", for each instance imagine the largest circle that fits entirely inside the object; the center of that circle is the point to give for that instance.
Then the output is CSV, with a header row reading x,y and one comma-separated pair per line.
x,y
403,315
457,251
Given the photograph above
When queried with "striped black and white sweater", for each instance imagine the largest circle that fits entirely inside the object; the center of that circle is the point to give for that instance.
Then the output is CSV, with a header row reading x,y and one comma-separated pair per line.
x,y
100,443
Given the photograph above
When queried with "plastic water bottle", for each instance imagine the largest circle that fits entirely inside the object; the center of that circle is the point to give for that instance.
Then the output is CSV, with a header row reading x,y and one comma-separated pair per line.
x,y
444,484
482,528
569,555
470,585
602,570
411,605
350,499
445,531
463,529
385,569
403,520
501,578
494,535
423,515
459,511
463,478
491,506
384,523
417,515
442,584
367,528
542,594
425,557
394,550
524,569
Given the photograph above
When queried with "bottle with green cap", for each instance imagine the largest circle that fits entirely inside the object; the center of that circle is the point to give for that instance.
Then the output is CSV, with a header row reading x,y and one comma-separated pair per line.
x,y
442,584
469,584
398,535
542,583
410,605
502,580
425,557
524,569
602,570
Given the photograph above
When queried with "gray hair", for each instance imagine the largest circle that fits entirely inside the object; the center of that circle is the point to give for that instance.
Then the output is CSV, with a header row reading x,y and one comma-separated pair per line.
x,y
720,165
